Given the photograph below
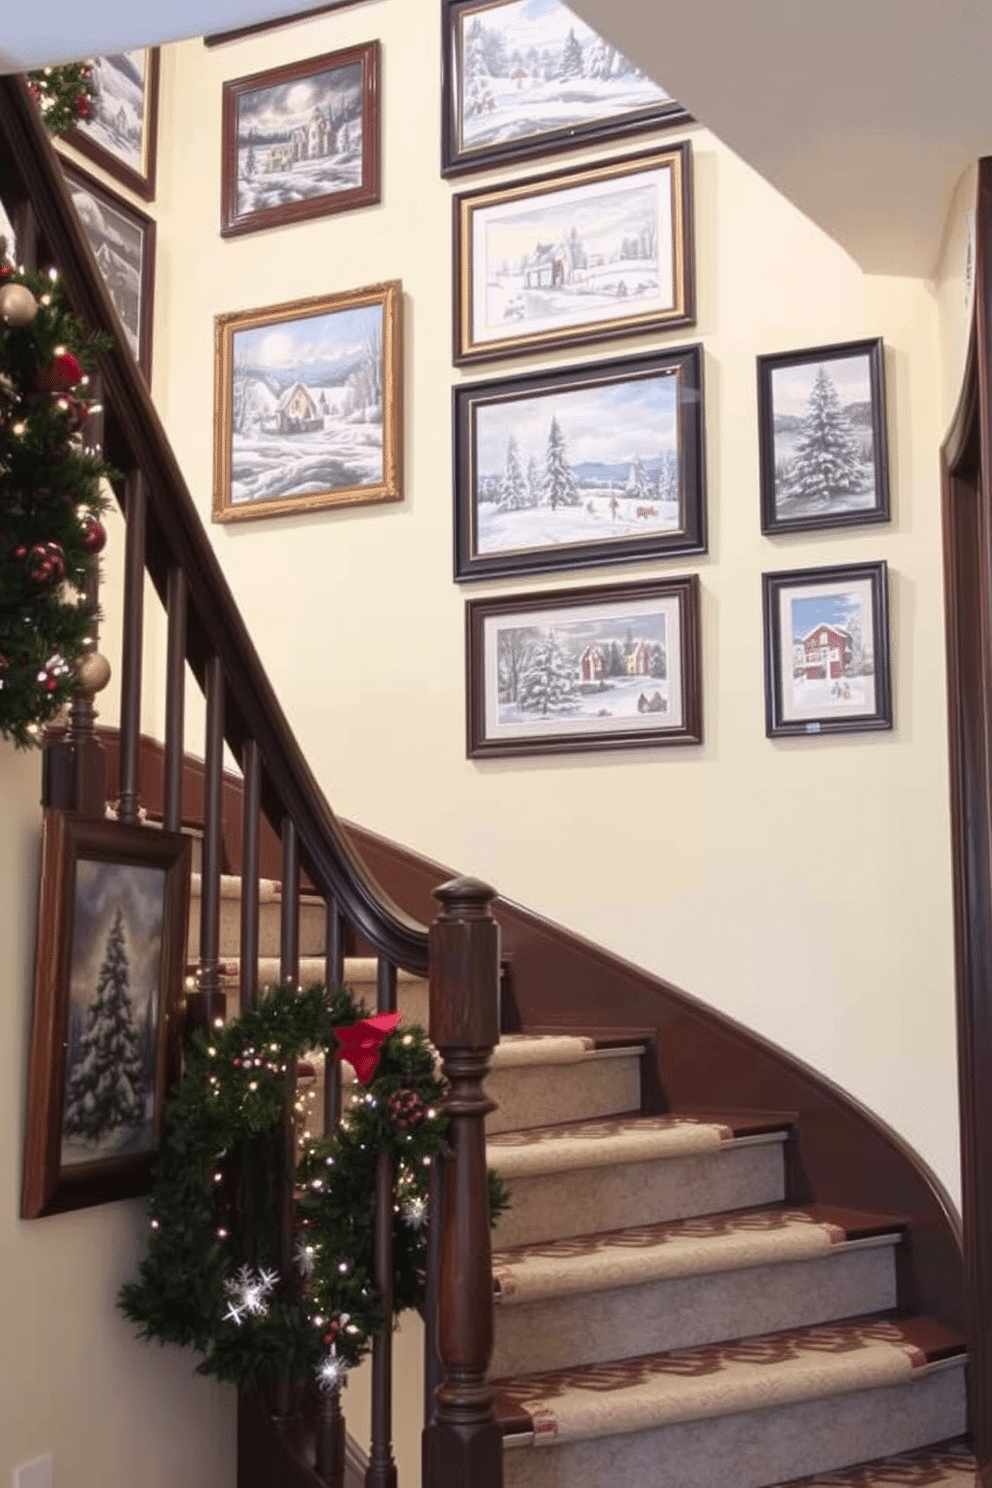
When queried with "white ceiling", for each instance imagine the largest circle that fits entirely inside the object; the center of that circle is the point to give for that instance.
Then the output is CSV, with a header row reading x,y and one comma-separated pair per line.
x,y
863,112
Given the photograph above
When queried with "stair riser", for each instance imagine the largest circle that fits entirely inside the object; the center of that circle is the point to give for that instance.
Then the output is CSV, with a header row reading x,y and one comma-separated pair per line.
x,y
678,1313
551,1206
753,1449
526,1096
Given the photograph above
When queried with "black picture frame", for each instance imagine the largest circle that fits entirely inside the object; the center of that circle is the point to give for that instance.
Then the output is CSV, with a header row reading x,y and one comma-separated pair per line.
x,y
822,437
592,119
636,492
619,664
826,650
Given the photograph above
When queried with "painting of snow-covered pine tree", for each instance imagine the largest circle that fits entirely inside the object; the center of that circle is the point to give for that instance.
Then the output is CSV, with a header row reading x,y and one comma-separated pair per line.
x,y
823,430
531,75
112,1031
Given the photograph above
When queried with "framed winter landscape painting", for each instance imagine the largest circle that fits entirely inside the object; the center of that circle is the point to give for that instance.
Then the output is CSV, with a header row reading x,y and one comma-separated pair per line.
x,y
301,141
123,243
591,254
824,453
308,405
120,133
827,650
105,1036
529,77
577,669
581,466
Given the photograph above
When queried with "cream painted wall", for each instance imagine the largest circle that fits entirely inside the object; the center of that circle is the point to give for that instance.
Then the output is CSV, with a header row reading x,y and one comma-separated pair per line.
x,y
801,885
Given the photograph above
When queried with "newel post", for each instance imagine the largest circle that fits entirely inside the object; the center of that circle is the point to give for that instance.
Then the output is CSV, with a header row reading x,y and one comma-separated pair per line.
x,y
463,1446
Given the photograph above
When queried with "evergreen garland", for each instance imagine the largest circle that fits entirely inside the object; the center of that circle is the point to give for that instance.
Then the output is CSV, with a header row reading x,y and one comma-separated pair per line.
x,y
50,499
64,94
209,1278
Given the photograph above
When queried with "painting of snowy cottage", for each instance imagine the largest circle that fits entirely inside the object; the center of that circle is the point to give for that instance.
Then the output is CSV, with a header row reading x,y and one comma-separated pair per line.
x,y
119,133
596,464
301,141
823,439
584,669
826,656
123,243
596,252
308,405
522,77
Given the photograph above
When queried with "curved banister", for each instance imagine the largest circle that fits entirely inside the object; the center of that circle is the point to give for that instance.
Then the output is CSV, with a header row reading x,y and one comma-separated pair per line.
x,y
135,439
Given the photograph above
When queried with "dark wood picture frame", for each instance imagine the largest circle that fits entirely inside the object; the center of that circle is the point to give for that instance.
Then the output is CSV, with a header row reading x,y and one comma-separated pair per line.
x,y
141,178
305,143
629,677
584,289
821,677
624,499
459,156
137,321
102,882
841,478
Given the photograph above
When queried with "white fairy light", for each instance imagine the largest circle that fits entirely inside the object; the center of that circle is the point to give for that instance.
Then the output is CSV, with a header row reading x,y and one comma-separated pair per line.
x,y
415,1212
331,1372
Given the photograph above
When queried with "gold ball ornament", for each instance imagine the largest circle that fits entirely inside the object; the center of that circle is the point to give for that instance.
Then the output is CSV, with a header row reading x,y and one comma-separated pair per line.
x,y
18,306
93,672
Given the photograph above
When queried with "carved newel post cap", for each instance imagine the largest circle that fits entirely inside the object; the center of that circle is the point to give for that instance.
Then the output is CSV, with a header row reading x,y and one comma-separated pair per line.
x,y
464,897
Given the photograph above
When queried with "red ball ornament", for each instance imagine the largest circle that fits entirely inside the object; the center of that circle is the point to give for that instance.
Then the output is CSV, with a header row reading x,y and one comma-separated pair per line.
x,y
62,373
45,564
406,1109
81,106
94,534
20,552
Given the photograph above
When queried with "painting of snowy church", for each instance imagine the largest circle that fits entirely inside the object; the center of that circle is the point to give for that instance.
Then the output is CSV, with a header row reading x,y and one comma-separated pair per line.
x,y
118,130
529,75
558,671
823,438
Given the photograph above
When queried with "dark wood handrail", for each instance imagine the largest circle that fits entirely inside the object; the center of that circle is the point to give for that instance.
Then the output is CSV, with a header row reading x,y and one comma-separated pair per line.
x,y
135,440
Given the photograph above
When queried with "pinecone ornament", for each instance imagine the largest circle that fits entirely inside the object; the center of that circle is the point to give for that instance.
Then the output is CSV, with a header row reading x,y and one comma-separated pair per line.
x,y
406,1109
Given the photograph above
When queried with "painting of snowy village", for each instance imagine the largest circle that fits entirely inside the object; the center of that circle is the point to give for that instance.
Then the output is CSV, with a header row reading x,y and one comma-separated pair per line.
x,y
823,438
301,141
309,405
586,669
593,465
119,132
599,251
830,648
113,1019
123,243
526,76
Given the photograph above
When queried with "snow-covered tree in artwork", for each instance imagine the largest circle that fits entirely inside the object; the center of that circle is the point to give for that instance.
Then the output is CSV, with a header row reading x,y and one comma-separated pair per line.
x,y
560,488
249,166
547,683
513,492
826,463
478,94
534,485
598,60
571,57
107,1085
638,486
667,478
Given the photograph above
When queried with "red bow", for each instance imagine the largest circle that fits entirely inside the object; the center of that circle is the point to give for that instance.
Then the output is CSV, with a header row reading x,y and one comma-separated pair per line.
x,y
359,1044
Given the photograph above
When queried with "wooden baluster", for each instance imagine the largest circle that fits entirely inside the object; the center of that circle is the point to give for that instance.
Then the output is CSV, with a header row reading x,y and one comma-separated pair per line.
x,y
209,991
381,1472
330,1421
251,805
385,986
462,1447
433,1368
289,947
175,702
135,509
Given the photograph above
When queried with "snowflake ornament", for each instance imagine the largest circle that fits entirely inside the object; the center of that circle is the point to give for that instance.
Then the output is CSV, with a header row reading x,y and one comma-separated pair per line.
x,y
415,1212
331,1371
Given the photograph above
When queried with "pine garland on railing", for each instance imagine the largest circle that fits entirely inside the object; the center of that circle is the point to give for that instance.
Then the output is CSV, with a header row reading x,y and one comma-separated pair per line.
x,y
210,1278
64,94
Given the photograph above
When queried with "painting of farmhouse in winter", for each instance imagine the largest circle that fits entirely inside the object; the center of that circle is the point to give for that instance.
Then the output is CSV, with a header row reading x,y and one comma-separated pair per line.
x,y
828,663
117,122
118,244
583,669
823,421
598,251
114,996
306,406
578,465
526,68
298,140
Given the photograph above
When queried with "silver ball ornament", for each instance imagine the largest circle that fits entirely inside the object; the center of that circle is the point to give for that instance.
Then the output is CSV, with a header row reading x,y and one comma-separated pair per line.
x,y
18,306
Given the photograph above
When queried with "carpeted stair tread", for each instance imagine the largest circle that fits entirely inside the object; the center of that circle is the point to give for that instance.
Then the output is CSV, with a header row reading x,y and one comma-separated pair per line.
x,y
722,1379
684,1247
269,889
521,1049
949,1465
618,1139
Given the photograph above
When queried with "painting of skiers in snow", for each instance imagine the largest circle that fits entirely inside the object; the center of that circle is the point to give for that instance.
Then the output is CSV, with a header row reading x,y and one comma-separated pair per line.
x,y
123,243
591,669
523,77
823,444
301,141
309,405
599,464
119,132
828,650
599,251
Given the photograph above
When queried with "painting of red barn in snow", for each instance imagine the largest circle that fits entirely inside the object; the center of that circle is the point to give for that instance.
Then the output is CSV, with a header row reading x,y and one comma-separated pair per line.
x,y
301,141
308,405
584,669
